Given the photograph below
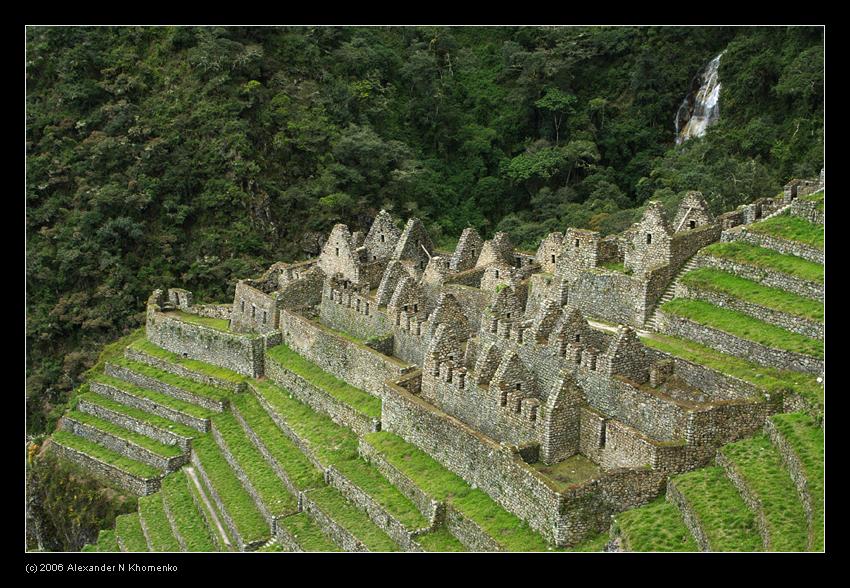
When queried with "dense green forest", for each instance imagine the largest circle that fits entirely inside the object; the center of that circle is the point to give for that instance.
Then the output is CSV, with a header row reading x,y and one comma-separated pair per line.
x,y
193,156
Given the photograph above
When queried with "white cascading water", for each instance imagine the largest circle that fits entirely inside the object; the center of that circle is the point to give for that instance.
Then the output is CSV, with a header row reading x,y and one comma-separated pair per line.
x,y
700,110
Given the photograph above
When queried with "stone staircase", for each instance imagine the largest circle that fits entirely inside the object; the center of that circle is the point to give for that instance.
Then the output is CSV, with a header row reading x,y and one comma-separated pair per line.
x,y
669,293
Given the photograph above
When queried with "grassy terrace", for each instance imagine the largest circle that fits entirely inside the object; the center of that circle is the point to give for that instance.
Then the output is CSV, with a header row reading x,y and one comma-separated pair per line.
x,y
658,526
156,397
220,536
194,365
238,503
743,326
723,516
129,530
337,446
759,257
357,399
213,323
357,522
159,529
272,492
151,445
197,388
816,197
760,465
749,291
291,459
510,531
106,541
807,440
307,533
140,415
105,455
188,521
790,227
766,378
440,540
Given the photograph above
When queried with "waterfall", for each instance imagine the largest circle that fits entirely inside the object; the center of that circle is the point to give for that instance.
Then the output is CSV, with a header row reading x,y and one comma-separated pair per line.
x,y
701,106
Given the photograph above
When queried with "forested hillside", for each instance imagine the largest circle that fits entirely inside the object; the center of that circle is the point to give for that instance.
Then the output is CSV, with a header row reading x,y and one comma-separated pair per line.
x,y
190,157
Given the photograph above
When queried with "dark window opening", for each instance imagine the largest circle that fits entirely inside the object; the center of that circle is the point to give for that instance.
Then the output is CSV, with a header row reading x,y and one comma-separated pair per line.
x,y
553,259
602,435
577,243
265,317
337,251
692,224
509,315
382,238
519,386
578,337
243,306
415,308
497,273
648,238
253,312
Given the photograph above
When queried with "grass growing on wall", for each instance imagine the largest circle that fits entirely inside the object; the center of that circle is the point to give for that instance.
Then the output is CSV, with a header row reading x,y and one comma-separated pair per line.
x,y
807,441
658,526
749,291
440,483
107,542
159,529
157,397
357,522
197,388
307,534
790,227
139,415
292,460
204,321
277,500
129,530
743,326
238,503
194,365
727,522
760,257
361,401
335,445
131,466
189,522
760,465
766,378
160,449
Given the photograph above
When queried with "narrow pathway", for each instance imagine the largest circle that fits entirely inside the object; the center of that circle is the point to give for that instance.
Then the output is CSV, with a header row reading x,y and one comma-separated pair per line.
x,y
191,472
613,329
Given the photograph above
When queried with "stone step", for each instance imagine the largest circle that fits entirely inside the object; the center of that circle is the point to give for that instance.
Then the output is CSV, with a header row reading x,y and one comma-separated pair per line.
x,y
162,405
178,387
800,442
714,511
135,476
148,424
244,522
155,524
755,468
130,444
187,521
129,533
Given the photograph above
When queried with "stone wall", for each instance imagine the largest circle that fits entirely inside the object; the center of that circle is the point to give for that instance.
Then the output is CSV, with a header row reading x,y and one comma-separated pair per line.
x,y
123,397
240,353
134,484
790,322
357,364
687,329
330,528
319,400
764,276
808,210
352,313
254,311
730,421
785,246
712,384
150,383
141,427
177,369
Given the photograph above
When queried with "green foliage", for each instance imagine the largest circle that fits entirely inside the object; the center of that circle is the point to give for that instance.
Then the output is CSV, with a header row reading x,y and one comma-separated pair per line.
x,y
744,326
156,397
90,448
152,512
67,506
193,156
355,521
194,365
128,531
198,388
440,540
130,436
